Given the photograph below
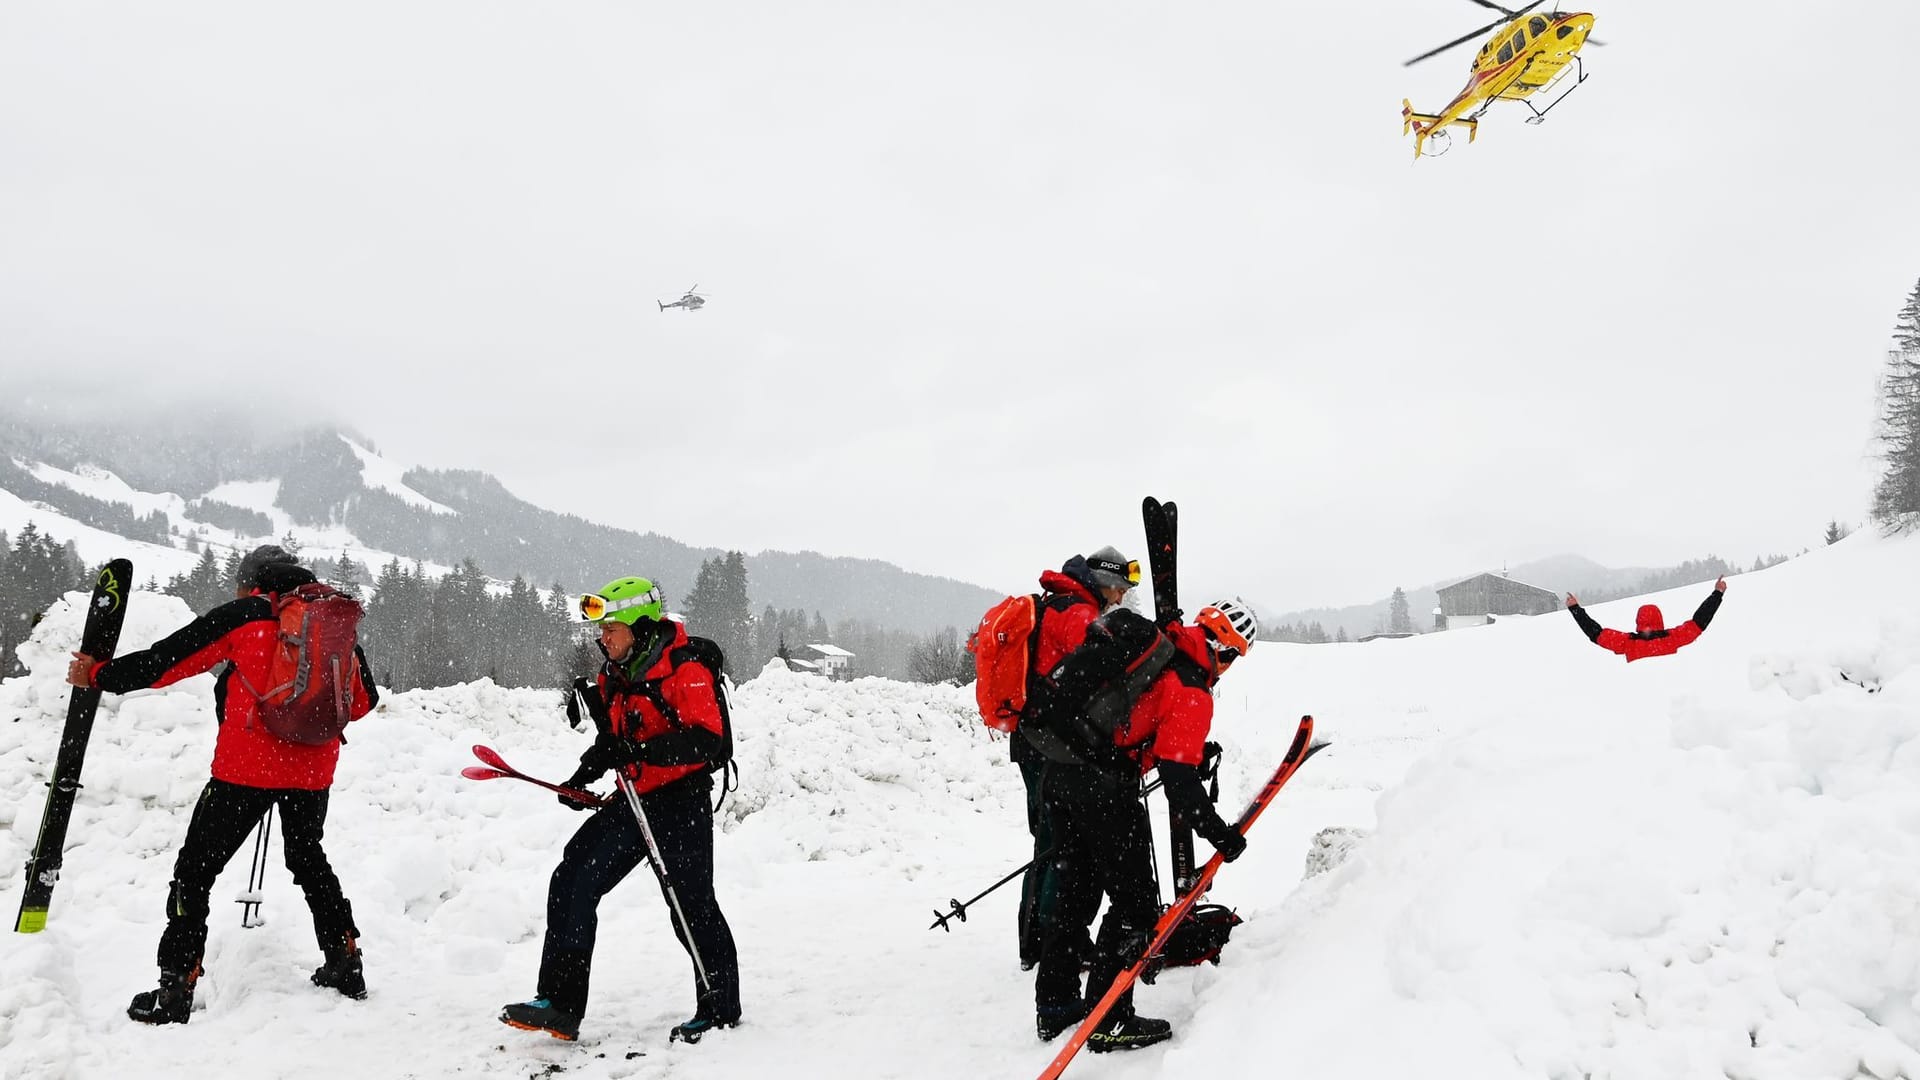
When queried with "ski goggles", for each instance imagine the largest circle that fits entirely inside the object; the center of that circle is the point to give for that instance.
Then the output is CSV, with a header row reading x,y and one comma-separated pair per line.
x,y
1129,569
594,607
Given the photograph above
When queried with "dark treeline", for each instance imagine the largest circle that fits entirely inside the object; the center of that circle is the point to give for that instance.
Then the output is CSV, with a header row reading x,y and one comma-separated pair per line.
x,y
34,572
1896,498
1691,572
719,606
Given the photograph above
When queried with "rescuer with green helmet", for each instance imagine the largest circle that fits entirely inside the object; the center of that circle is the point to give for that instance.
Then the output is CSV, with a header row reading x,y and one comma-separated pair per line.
x,y
660,724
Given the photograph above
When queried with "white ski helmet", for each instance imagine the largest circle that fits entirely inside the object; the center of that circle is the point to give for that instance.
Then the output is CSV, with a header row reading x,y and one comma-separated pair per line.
x,y
1231,623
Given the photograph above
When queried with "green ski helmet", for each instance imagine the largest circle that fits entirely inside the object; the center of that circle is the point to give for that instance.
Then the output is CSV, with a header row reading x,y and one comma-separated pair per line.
x,y
624,600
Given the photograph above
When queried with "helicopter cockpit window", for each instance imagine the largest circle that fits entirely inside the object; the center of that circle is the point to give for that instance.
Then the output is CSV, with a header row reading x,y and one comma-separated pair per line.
x,y
1536,26
1506,51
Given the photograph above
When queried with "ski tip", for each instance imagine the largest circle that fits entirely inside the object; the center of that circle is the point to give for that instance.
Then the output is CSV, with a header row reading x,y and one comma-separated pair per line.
x,y
32,921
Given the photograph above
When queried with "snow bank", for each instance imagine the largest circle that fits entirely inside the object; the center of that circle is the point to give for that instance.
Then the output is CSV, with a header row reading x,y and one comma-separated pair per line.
x,y
1554,865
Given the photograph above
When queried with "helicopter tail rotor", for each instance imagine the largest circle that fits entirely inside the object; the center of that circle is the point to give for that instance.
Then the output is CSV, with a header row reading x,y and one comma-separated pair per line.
x,y
1425,126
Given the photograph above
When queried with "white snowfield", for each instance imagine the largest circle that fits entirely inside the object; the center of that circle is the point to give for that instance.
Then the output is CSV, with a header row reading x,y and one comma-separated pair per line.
x,y
1701,865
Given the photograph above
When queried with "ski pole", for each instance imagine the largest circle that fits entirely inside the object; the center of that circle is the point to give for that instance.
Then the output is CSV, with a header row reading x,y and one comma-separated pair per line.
x,y
660,871
257,876
958,910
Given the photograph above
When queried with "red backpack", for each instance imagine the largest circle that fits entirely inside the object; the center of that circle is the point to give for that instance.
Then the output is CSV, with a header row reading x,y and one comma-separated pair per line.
x,y
313,679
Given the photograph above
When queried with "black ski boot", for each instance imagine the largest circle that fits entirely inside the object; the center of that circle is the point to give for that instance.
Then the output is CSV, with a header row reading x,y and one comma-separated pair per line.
x,y
1129,1033
1049,1023
692,1030
343,971
540,1015
172,1003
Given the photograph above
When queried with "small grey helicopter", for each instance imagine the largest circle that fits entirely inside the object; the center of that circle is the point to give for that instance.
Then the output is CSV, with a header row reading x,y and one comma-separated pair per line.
x,y
693,301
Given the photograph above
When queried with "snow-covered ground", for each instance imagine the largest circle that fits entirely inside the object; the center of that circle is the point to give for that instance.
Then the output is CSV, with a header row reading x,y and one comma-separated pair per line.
x,y
1703,865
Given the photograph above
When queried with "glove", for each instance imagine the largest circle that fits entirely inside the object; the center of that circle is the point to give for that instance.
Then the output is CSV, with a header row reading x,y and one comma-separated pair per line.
x,y
611,752
1229,844
583,690
581,777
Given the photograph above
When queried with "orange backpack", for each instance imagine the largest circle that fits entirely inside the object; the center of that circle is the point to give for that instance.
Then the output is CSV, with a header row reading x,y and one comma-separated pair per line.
x,y
1003,648
313,679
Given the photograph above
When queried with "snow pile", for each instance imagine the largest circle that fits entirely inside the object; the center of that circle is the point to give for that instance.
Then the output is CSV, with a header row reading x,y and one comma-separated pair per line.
x,y
1549,864
1712,873
448,876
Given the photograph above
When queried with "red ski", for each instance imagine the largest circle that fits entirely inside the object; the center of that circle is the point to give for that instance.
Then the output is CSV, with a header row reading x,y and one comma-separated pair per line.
x,y
499,770
1303,748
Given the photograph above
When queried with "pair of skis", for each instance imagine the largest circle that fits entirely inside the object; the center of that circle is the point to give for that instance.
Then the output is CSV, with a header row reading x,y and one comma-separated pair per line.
x,y
1162,521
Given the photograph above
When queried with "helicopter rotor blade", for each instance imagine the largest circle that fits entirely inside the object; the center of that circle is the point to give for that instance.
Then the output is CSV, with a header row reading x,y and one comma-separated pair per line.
x,y
1470,35
1461,40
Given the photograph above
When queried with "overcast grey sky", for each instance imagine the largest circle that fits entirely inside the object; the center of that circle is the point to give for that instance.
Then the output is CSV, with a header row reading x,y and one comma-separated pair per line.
x,y
982,275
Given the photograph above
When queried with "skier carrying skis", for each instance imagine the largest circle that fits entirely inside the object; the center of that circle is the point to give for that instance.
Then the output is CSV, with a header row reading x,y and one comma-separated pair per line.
x,y
658,715
1650,636
1070,599
252,770
1103,832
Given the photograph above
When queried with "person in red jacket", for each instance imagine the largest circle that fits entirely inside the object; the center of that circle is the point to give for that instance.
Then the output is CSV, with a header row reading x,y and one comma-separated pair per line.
x,y
1070,599
253,770
1650,636
657,712
1105,841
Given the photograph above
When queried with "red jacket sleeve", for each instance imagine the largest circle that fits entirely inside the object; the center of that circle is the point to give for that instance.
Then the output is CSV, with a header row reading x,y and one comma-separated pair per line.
x,y
1186,717
1061,632
1613,641
190,650
1684,634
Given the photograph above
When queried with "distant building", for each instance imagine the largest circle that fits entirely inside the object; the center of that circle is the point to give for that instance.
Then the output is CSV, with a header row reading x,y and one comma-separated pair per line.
x,y
829,660
1481,598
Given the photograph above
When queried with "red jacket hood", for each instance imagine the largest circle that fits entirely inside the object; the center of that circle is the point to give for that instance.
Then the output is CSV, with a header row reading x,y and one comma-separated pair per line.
x,y
1649,619
1054,581
1193,641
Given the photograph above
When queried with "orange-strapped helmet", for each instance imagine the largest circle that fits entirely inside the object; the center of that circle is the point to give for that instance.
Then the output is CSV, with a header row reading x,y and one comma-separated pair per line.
x,y
1231,624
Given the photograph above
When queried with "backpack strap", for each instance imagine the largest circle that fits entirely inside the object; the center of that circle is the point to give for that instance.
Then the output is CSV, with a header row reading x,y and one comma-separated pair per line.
x,y
1189,672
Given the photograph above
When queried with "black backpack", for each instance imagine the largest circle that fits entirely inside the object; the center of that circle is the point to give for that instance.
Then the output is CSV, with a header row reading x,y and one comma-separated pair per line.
x,y
1077,706
706,653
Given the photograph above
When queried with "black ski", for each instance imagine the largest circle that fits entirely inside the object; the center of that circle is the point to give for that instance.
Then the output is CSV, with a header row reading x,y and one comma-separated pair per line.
x,y
105,613
1162,522
1163,529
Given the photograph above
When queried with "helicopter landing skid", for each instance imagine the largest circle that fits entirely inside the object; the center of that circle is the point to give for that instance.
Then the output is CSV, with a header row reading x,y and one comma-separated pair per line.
x,y
1540,115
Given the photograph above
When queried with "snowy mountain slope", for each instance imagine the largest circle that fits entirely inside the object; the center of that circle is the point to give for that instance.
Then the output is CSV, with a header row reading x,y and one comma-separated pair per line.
x,y
1700,865
378,472
156,562
334,491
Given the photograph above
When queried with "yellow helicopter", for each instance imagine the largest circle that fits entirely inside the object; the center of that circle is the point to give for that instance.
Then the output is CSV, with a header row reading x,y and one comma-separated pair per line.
x,y
1527,54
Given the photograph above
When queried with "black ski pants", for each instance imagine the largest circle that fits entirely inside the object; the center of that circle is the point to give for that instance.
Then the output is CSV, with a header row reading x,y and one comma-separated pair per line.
x,y
1040,893
1105,846
605,849
222,820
